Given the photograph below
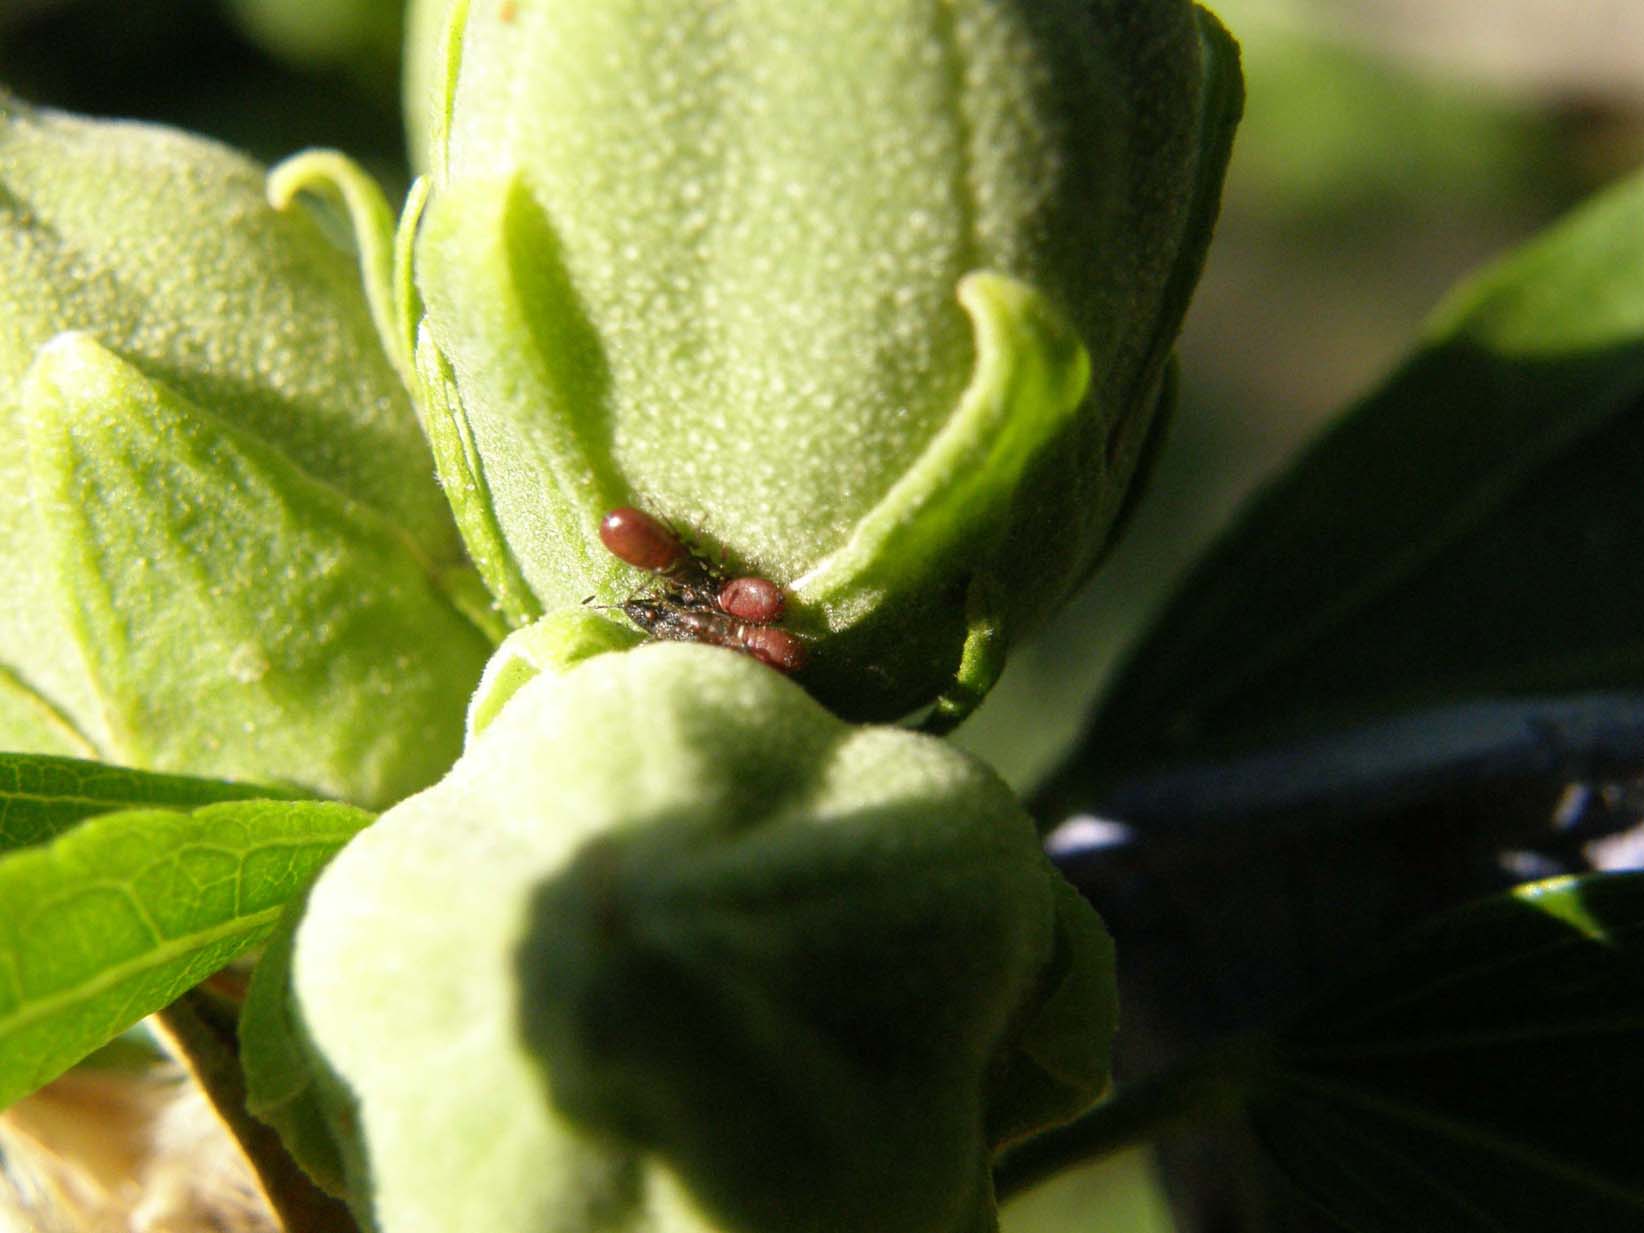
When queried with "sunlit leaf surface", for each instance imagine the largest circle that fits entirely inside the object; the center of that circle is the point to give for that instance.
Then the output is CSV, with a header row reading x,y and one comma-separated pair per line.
x,y
114,919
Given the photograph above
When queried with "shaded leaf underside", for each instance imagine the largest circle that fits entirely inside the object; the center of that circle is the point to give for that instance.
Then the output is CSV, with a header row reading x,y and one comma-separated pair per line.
x,y
1483,1075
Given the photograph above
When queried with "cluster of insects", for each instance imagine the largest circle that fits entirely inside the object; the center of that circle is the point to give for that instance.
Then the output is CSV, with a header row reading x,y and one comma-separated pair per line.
x,y
695,602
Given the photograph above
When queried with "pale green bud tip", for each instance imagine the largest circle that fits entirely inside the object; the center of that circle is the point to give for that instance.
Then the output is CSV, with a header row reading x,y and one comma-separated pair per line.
x,y
553,644
690,922
708,267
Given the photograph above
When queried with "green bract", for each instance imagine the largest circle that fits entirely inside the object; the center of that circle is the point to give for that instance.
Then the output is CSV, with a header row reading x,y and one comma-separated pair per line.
x,y
876,298
672,943
222,550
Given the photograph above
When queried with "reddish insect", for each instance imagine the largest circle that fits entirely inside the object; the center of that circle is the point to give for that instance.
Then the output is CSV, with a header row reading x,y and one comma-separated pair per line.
x,y
647,543
637,538
661,618
696,604
757,600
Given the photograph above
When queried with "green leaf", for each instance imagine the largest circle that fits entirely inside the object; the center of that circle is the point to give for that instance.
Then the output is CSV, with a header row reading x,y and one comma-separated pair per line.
x,y
1471,530
41,797
1485,1074
363,36
1477,750
119,916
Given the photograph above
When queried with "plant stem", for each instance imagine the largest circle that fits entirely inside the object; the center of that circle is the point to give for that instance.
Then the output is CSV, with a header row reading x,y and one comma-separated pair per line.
x,y
201,1035
1209,1083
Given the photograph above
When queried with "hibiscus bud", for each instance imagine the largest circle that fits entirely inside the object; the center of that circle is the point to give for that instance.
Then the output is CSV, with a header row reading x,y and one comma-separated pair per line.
x,y
873,300
669,933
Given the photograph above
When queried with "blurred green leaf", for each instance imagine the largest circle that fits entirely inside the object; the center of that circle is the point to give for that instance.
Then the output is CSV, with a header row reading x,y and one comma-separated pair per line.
x,y
1471,530
228,69
40,797
1485,1074
119,916
364,34
1336,130
1124,1188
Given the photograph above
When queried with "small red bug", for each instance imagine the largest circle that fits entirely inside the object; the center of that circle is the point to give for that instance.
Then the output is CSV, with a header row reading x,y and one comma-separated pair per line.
x,y
775,648
758,600
696,604
647,543
640,540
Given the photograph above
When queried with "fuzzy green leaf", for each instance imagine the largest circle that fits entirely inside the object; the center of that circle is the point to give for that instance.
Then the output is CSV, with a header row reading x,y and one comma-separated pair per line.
x,y
337,178
165,247
553,644
29,720
112,920
211,479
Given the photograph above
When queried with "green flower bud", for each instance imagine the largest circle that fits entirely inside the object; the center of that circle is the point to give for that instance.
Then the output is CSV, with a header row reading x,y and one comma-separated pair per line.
x,y
222,551
876,299
704,957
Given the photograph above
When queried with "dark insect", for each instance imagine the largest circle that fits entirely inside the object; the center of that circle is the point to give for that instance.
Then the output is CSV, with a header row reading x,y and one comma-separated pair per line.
x,y
676,622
